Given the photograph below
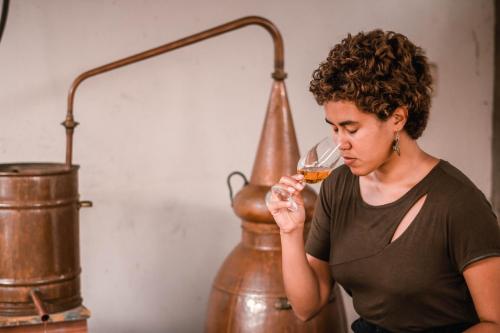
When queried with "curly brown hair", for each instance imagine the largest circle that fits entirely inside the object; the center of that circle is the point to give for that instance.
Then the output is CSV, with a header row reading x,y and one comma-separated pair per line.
x,y
379,72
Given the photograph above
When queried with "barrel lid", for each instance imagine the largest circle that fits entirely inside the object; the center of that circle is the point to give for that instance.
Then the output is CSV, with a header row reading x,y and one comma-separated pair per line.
x,y
35,169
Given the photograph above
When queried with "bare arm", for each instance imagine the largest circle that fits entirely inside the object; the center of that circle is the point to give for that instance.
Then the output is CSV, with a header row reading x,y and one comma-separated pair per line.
x,y
483,281
307,279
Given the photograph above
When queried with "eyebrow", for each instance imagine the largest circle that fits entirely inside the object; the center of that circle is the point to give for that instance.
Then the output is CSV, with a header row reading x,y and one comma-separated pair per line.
x,y
343,123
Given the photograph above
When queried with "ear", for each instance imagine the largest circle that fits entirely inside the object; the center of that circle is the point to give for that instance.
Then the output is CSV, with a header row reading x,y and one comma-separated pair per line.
x,y
399,117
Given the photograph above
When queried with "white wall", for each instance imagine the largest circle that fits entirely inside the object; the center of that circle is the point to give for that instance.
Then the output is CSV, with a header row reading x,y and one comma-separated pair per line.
x,y
158,138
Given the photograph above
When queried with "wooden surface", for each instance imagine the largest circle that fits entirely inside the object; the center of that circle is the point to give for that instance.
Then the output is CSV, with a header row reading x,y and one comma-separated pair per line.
x,y
79,326
71,321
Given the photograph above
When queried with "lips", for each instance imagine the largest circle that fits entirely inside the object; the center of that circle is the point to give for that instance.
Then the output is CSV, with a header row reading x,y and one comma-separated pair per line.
x,y
348,160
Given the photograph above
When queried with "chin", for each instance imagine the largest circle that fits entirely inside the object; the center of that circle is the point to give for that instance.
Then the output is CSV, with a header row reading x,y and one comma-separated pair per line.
x,y
359,171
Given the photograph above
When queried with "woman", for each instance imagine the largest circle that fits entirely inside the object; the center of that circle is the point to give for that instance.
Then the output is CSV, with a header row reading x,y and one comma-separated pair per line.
x,y
407,235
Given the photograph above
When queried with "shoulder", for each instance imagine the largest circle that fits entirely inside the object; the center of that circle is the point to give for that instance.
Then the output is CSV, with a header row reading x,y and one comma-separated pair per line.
x,y
458,193
451,177
471,227
450,181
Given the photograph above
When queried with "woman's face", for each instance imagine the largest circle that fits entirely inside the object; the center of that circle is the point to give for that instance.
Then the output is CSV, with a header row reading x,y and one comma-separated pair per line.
x,y
365,140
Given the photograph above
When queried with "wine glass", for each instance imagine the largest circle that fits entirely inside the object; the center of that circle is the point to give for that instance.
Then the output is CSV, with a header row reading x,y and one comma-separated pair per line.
x,y
315,165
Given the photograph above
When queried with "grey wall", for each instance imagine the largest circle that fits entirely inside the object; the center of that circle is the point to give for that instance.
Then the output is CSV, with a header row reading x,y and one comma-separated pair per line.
x,y
157,139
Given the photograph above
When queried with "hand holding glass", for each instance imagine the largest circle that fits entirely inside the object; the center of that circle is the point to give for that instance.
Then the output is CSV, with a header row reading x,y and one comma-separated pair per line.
x,y
315,165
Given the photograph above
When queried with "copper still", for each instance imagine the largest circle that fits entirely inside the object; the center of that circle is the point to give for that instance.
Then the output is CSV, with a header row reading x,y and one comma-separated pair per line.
x,y
248,293
39,242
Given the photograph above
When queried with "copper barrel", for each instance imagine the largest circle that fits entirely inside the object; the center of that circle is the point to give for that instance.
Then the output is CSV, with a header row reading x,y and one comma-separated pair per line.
x,y
39,239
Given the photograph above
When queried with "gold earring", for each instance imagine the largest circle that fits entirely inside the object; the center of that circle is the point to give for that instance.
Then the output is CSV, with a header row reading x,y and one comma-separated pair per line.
x,y
395,144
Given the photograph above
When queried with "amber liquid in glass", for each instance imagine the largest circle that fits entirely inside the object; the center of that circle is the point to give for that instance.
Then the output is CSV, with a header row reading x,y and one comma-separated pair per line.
x,y
314,175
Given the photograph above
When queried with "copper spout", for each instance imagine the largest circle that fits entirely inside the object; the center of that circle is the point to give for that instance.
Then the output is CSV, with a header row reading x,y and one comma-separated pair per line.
x,y
40,307
278,74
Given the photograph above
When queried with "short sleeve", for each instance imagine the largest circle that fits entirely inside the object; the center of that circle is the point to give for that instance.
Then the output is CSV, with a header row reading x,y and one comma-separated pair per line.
x,y
318,239
474,232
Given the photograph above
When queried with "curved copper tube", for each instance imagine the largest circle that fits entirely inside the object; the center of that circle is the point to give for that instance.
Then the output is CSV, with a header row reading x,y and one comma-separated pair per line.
x,y
40,307
278,74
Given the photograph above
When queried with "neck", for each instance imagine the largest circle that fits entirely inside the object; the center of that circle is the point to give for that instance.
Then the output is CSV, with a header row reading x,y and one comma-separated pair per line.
x,y
412,162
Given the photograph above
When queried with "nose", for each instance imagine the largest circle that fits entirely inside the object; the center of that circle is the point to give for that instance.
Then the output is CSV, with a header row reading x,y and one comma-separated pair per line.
x,y
343,142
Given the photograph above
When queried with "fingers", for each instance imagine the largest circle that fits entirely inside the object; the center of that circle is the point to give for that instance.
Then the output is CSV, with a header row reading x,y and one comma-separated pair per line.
x,y
278,198
285,203
285,195
277,206
295,182
297,197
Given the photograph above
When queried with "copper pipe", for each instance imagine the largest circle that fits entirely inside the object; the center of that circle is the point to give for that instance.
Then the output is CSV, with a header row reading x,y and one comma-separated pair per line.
x,y
40,307
278,74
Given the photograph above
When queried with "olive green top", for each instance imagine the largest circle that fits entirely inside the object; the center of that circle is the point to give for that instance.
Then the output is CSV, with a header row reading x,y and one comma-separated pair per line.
x,y
415,282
